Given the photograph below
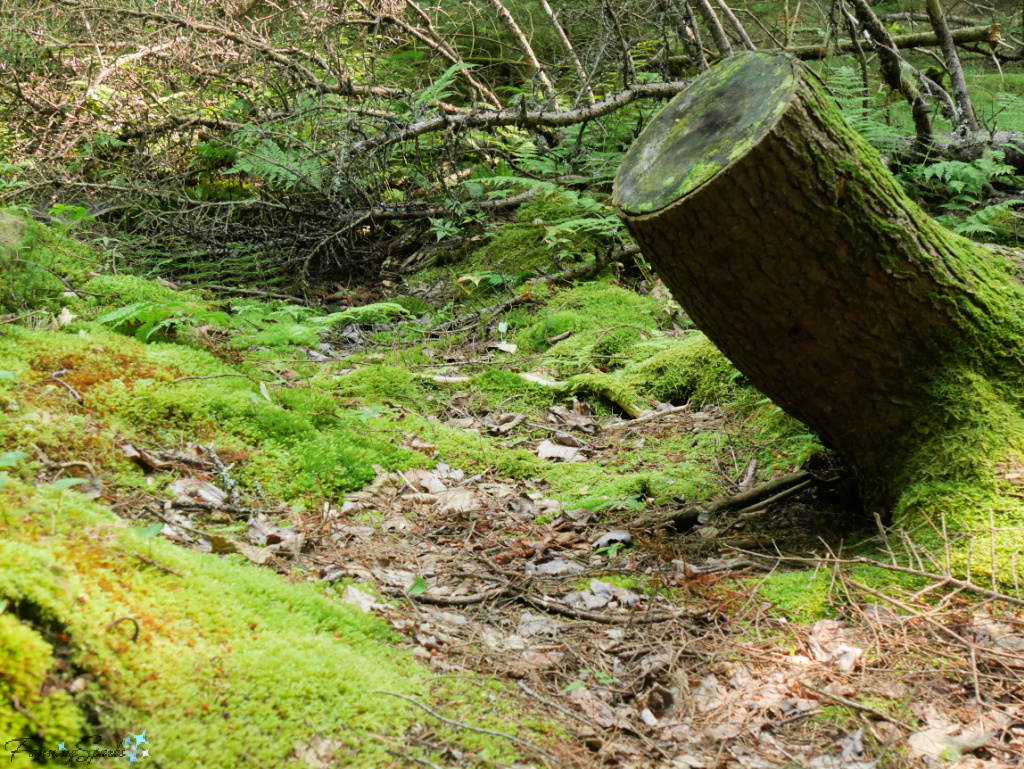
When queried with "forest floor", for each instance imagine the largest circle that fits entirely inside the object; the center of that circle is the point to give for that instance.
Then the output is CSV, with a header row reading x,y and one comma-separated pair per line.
x,y
455,549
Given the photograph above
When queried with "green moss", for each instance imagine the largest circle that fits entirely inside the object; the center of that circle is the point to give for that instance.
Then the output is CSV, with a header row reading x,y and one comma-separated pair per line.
x,y
33,258
230,661
799,596
297,439
691,369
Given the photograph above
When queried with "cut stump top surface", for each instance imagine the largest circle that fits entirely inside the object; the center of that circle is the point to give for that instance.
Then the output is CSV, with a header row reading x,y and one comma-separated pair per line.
x,y
704,129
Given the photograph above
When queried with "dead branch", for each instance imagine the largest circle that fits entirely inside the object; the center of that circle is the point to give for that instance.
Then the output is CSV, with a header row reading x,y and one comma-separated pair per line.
x,y
467,727
560,31
521,119
772,491
527,50
747,42
582,272
935,578
965,109
892,71
989,33
717,31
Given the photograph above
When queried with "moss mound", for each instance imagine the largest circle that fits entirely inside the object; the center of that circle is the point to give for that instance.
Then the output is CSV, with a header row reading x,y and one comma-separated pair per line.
x,y
229,662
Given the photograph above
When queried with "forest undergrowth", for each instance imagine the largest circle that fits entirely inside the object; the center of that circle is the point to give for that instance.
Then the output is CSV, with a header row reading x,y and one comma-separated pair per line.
x,y
343,424
252,527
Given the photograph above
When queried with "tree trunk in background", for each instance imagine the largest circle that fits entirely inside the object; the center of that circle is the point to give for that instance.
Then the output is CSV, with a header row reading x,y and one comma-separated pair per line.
x,y
792,247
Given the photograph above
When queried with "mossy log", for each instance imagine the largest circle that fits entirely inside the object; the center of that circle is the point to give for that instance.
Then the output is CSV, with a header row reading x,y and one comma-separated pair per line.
x,y
790,245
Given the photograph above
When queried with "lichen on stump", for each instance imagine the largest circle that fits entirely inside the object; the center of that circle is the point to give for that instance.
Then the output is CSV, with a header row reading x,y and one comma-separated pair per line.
x,y
791,246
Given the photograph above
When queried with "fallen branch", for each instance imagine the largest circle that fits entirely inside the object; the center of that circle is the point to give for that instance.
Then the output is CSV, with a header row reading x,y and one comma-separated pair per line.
x,y
556,607
856,706
521,118
157,565
937,578
625,424
56,377
766,493
989,33
256,292
459,600
467,727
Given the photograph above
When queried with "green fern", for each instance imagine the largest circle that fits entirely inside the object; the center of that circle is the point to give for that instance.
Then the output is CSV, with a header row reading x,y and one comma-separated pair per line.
x,y
859,108
291,169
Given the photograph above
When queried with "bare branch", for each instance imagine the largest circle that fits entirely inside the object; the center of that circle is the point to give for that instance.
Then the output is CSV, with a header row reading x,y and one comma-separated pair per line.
x,y
522,119
527,50
956,73
587,91
747,42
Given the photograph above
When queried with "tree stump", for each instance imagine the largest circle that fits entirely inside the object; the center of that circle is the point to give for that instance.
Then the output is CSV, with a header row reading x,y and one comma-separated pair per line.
x,y
783,235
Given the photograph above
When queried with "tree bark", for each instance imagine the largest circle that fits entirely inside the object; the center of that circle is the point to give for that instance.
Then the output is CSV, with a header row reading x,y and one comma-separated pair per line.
x,y
780,231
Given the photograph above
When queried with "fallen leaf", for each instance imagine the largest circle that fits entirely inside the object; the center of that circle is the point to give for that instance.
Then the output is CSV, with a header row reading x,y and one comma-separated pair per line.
x,y
318,753
503,346
593,708
549,450
458,500
537,624
364,601
936,743
612,538
554,568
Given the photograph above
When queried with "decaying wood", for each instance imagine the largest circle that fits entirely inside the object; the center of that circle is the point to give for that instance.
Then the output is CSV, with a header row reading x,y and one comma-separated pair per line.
x,y
989,33
765,494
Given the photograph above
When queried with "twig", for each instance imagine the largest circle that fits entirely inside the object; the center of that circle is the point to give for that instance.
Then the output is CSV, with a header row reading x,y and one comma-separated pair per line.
x,y
225,476
959,583
160,566
931,621
20,317
467,727
645,418
857,706
414,759
746,500
556,706
55,376
116,622
546,604
736,25
210,507
460,600
576,273
256,292
16,704
218,376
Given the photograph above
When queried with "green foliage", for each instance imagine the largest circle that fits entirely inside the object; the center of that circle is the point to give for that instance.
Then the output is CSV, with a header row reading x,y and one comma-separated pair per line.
x,y
202,681
288,168
860,107
962,188
252,323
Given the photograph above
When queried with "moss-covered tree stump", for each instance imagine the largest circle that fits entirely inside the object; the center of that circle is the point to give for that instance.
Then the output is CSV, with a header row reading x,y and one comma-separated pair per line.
x,y
790,245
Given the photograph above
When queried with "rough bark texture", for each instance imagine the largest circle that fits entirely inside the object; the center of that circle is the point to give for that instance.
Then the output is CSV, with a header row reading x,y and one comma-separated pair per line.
x,y
789,244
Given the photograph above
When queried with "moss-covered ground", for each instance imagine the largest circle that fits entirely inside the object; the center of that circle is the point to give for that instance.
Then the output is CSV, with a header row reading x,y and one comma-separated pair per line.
x,y
232,661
